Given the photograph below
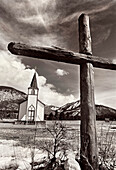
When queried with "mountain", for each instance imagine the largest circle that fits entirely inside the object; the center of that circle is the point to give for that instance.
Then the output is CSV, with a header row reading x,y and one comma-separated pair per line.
x,y
50,108
9,100
50,112
71,111
105,112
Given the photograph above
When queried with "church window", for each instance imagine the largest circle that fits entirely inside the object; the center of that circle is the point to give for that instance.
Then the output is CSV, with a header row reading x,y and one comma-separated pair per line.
x,y
31,113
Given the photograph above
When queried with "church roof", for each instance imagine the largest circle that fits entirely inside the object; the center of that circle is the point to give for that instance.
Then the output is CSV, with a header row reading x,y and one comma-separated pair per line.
x,y
34,82
41,102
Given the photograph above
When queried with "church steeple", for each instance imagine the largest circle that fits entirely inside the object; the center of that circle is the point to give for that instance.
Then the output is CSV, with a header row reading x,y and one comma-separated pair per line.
x,y
33,89
34,82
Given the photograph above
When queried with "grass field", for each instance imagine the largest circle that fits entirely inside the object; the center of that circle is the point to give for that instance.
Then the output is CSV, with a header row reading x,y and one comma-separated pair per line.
x,y
16,140
23,134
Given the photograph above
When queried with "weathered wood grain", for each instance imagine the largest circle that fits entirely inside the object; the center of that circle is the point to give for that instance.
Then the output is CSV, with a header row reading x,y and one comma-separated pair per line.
x,y
88,111
60,55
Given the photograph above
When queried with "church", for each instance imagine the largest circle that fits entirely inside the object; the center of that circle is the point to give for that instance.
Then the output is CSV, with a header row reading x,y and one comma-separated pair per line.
x,y
32,109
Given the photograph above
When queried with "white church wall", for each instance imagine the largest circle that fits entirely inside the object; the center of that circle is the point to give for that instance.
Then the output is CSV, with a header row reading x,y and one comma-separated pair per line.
x,y
32,100
22,110
40,112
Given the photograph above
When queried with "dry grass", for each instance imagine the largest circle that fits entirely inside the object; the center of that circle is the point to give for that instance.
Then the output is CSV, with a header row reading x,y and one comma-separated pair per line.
x,y
23,135
107,146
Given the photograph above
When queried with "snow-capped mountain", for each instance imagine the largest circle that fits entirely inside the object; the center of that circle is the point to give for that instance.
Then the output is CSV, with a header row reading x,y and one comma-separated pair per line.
x,y
10,98
71,111
72,108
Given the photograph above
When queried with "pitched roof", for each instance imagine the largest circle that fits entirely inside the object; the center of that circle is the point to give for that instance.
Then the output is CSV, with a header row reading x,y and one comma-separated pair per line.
x,y
34,82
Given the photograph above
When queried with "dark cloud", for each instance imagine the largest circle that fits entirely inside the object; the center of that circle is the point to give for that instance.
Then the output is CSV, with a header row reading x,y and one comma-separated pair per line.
x,y
57,22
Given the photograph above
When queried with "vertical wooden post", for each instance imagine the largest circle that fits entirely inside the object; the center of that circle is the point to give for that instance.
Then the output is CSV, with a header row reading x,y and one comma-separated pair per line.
x,y
88,111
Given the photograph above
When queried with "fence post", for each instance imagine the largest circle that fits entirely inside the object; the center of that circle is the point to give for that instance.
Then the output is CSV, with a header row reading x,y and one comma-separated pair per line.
x,y
88,111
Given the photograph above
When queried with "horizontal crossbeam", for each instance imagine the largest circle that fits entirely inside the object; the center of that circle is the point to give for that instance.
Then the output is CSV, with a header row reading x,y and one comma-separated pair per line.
x,y
60,55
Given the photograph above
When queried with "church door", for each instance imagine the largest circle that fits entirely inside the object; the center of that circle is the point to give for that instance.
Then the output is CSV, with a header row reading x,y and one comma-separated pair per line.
x,y
31,113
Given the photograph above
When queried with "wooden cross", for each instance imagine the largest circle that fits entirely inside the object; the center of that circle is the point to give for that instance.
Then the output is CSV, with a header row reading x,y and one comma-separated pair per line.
x,y
86,61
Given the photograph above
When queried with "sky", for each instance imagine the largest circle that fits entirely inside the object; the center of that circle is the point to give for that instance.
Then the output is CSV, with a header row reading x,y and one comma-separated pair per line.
x,y
55,22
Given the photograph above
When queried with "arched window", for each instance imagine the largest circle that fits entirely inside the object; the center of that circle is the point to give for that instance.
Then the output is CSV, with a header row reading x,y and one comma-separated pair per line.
x,y
31,113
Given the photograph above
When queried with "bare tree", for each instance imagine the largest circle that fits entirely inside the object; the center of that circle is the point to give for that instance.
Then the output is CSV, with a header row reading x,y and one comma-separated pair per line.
x,y
56,144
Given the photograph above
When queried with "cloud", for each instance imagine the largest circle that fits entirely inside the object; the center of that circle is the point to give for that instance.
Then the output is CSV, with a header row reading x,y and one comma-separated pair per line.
x,y
49,95
105,87
106,98
28,22
61,72
48,22
13,73
114,61
52,22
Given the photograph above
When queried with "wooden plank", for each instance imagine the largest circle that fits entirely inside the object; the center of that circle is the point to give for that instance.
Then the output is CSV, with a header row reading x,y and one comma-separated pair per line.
x,y
88,111
60,55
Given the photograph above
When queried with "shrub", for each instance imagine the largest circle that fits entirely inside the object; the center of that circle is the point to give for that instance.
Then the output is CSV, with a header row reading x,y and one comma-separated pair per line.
x,y
106,149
